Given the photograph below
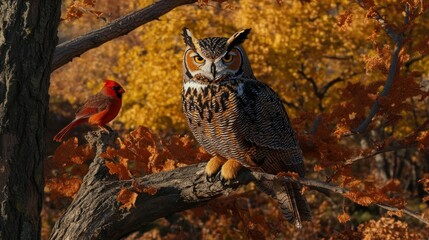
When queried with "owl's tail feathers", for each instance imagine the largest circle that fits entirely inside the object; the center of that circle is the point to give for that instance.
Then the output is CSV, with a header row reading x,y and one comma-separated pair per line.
x,y
294,206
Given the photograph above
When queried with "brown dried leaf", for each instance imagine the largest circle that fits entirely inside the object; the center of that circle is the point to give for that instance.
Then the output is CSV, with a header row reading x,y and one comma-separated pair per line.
x,y
354,183
343,218
345,18
317,168
121,169
395,213
143,189
341,129
290,174
64,186
90,3
423,140
70,152
150,190
127,198
359,198
186,151
73,13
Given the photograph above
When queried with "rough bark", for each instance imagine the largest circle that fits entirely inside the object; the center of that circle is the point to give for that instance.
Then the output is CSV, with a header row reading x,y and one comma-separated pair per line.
x,y
28,35
66,51
95,212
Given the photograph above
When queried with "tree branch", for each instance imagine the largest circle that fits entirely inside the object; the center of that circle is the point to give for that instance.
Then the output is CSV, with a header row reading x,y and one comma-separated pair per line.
x,y
66,51
387,28
408,63
310,80
95,212
399,39
379,151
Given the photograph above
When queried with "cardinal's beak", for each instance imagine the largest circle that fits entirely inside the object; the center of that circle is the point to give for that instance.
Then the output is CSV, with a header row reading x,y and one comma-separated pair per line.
x,y
121,90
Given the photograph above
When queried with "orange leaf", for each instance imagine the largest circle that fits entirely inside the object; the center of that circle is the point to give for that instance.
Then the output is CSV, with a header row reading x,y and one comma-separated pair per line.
x,y
354,183
121,169
127,198
70,152
359,198
318,168
142,189
365,200
150,190
290,174
345,18
89,2
423,140
342,129
343,218
395,213
64,186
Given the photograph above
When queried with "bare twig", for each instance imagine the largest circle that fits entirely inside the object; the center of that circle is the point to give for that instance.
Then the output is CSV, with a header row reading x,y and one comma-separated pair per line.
x,y
339,58
310,80
321,92
66,51
316,124
395,146
316,184
406,211
408,63
399,39
289,104
380,151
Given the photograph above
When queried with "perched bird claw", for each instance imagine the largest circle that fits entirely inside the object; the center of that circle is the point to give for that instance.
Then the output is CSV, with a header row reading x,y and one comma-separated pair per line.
x,y
228,182
214,177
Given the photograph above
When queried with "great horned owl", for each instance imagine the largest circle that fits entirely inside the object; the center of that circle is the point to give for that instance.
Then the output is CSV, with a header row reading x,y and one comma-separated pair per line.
x,y
238,119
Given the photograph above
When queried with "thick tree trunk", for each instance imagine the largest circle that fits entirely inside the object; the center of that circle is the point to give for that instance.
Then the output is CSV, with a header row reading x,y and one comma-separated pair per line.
x,y
28,35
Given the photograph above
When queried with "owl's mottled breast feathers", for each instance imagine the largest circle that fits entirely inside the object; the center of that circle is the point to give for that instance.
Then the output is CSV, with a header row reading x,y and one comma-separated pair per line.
x,y
251,113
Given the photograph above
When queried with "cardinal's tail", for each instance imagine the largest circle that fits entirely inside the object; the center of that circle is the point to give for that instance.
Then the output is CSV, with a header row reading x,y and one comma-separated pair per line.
x,y
294,206
61,134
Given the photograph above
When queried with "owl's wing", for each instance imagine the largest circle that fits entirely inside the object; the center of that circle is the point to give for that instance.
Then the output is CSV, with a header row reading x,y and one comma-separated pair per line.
x,y
273,146
265,124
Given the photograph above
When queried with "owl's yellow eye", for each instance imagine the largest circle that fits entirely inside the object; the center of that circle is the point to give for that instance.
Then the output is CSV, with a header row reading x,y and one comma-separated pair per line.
x,y
199,59
227,58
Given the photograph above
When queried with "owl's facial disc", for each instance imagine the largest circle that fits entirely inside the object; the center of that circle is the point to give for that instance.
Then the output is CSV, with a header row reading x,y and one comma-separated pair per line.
x,y
228,63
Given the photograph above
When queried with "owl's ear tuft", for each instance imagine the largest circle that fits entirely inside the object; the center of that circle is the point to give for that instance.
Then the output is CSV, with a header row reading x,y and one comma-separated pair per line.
x,y
188,38
237,39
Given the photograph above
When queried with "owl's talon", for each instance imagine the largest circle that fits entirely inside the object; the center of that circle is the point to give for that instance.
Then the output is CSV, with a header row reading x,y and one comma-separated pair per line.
x,y
213,168
229,172
213,178
228,182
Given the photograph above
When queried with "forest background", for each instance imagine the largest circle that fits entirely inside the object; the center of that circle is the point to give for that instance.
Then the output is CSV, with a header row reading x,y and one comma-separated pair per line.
x,y
330,62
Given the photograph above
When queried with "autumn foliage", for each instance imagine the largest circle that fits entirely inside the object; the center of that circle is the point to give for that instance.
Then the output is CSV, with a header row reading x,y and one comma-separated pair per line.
x,y
331,62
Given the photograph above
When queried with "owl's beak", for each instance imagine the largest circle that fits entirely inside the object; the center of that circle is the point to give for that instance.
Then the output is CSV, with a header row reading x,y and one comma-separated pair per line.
x,y
213,70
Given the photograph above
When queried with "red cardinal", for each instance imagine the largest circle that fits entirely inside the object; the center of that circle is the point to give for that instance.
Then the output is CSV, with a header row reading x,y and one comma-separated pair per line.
x,y
98,110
